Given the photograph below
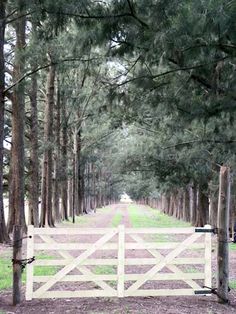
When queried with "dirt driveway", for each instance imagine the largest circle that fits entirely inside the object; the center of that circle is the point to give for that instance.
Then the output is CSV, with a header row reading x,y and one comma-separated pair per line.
x,y
139,305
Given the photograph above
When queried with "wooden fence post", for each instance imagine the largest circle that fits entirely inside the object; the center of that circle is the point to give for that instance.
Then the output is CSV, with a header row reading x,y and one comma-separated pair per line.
x,y
17,256
223,235
30,267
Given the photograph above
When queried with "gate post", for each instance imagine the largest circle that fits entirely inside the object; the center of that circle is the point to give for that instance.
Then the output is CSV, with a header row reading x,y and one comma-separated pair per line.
x,y
208,270
121,261
223,235
29,267
17,256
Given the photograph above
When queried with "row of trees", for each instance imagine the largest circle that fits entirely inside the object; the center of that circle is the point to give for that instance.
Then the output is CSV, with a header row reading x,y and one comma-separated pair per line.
x,y
102,97
52,115
179,97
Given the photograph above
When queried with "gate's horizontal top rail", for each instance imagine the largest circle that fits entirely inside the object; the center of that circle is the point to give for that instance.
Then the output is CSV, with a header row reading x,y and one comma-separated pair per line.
x,y
84,231
71,231
114,246
114,261
176,230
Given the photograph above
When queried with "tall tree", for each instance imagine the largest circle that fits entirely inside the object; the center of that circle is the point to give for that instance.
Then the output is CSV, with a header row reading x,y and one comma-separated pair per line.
x,y
17,212
3,230
57,156
34,156
47,167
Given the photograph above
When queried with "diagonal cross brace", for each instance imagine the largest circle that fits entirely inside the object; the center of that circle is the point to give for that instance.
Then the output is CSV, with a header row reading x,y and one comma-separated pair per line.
x,y
180,248
68,268
83,269
173,268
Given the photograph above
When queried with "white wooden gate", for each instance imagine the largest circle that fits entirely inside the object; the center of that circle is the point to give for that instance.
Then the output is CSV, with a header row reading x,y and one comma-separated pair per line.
x,y
142,262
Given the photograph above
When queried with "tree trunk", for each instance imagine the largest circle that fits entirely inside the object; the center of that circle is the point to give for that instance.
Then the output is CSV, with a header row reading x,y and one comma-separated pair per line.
x,y
82,201
193,217
186,205
57,158
17,212
64,176
213,210
70,196
180,205
170,208
3,230
94,205
203,207
46,206
75,175
80,174
34,158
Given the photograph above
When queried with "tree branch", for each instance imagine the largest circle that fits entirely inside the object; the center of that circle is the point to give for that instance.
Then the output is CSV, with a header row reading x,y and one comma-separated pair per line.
x,y
187,68
44,67
200,141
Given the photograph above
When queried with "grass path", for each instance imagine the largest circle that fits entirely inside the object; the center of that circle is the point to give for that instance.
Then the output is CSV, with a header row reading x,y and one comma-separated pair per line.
x,y
143,216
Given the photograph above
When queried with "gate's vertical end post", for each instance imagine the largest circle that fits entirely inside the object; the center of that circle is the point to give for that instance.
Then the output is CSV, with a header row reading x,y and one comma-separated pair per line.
x,y
17,256
223,235
30,267
121,261
208,249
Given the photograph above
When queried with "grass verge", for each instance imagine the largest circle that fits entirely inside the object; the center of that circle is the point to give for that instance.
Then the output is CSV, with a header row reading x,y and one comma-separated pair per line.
x,y
232,284
116,219
6,271
106,270
232,246
78,220
142,217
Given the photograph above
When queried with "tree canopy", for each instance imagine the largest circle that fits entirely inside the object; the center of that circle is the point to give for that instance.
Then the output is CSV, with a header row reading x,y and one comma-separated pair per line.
x,y
104,97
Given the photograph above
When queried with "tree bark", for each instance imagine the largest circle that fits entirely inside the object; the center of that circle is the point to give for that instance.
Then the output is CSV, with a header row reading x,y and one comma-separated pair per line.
x,y
46,205
193,202
70,196
213,210
3,230
64,175
75,175
34,156
17,212
57,158
203,207
186,205
80,174
82,200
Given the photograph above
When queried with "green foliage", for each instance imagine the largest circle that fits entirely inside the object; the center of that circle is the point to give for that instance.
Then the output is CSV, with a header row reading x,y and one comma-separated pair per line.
x,y
153,103
183,119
